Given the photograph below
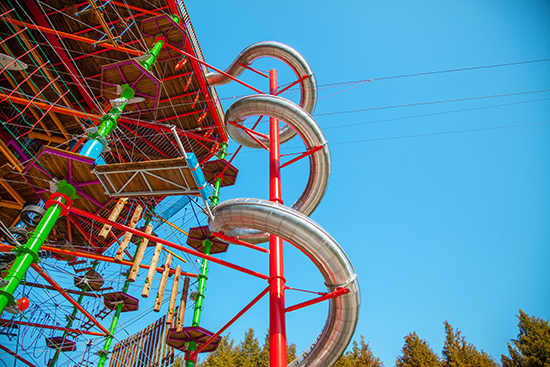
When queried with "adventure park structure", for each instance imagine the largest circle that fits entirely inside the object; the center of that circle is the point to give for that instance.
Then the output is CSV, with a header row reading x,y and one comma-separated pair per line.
x,y
111,125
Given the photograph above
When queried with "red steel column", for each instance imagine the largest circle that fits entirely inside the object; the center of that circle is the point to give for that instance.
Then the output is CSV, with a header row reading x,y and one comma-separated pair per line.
x,y
277,324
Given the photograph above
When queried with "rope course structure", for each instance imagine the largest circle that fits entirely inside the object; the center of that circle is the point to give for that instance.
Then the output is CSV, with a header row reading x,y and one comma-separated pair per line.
x,y
111,129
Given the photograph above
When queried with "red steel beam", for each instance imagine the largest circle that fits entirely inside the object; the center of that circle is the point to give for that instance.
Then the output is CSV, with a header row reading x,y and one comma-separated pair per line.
x,y
60,51
150,12
293,84
47,30
303,155
237,316
202,82
222,236
167,243
88,255
214,68
86,234
54,284
51,327
144,140
16,356
337,293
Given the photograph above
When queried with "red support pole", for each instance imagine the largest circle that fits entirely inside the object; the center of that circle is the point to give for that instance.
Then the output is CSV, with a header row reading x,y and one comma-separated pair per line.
x,y
167,243
277,323
51,327
235,318
337,293
16,356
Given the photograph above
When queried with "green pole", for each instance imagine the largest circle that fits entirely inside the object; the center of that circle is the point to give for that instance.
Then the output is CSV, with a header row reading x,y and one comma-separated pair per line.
x,y
118,310
200,297
157,47
53,361
217,184
28,252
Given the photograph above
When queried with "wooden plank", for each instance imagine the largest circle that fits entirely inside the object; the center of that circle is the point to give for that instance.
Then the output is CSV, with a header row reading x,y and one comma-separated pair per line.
x,y
173,296
183,304
151,273
5,169
139,255
9,188
113,217
10,204
128,235
162,285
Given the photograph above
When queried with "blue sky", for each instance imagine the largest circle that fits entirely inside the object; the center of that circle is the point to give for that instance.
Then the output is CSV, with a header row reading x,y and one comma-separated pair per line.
x,y
442,207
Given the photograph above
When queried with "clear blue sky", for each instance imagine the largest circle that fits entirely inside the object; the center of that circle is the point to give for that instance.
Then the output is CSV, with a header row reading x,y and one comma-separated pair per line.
x,y
442,208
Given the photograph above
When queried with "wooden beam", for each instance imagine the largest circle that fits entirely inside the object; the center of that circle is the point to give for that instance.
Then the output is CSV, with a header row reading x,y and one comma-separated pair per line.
x,y
9,188
10,156
10,204
51,139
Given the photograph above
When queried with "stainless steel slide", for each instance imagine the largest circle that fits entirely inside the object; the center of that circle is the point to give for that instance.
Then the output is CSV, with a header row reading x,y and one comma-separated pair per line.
x,y
252,219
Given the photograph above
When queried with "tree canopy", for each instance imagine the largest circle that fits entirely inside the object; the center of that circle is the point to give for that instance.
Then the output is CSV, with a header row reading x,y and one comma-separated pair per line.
x,y
417,353
532,346
530,349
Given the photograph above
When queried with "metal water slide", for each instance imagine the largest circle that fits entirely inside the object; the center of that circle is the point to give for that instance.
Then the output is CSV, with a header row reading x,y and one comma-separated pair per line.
x,y
252,220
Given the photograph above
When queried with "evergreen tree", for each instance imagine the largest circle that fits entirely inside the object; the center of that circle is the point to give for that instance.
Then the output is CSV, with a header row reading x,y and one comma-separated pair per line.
x,y
248,351
532,347
264,353
458,353
417,353
224,356
290,352
359,356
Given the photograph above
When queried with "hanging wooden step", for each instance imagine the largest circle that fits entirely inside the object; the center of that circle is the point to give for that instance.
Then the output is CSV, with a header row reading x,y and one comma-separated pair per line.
x,y
112,217
128,235
114,299
152,270
58,342
162,285
173,296
91,279
178,339
140,253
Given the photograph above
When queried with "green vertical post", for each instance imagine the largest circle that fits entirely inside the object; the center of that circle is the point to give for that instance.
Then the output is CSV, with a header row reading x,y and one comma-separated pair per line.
x,y
28,252
53,361
216,196
118,311
200,297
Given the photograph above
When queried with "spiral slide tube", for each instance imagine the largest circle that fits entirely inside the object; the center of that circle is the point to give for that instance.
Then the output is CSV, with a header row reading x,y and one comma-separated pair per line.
x,y
280,52
245,217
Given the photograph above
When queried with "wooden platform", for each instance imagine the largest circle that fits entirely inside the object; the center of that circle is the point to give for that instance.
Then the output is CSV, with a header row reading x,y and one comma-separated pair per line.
x,y
150,178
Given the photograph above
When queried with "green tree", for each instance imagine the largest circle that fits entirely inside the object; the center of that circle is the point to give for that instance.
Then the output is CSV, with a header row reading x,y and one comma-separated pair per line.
x,y
417,353
458,353
532,346
224,356
264,353
360,355
248,351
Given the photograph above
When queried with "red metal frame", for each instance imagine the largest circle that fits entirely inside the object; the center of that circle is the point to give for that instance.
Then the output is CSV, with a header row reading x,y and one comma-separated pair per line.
x,y
167,243
237,316
337,293
303,155
277,320
47,30
222,236
202,82
17,356
54,284
51,327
